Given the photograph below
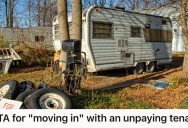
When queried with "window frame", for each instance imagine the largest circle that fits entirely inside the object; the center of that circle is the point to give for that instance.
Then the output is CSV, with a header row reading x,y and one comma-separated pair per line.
x,y
164,21
56,31
139,32
112,28
39,38
158,36
4,51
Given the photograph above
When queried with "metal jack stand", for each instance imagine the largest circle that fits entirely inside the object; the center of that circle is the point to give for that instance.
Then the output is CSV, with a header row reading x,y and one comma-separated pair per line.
x,y
72,73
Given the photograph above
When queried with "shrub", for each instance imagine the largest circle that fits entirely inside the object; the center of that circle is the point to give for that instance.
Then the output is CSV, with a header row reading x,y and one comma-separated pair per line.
x,y
3,42
35,56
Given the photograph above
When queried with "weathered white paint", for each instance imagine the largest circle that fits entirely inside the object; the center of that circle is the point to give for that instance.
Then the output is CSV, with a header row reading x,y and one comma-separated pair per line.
x,y
173,14
102,54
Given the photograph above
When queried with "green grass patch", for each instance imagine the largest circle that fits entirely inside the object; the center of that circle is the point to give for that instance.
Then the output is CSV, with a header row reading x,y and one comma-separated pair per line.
x,y
178,54
3,42
177,81
87,99
184,105
83,98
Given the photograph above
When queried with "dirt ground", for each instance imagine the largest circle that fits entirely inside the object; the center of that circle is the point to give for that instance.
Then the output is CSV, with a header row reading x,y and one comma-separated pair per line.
x,y
130,86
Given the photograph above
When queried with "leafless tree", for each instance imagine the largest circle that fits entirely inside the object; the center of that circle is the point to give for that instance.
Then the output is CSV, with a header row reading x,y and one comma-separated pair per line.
x,y
6,13
9,11
77,22
63,28
41,11
88,3
183,19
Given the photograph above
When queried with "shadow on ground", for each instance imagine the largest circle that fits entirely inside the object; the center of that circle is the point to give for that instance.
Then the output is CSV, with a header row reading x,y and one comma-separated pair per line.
x,y
175,65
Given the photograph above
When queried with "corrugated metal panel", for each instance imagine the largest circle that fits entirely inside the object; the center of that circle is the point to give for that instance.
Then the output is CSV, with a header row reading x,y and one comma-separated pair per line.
x,y
104,50
110,66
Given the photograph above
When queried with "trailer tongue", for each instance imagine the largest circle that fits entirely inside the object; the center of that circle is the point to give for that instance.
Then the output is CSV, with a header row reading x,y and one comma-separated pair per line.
x,y
74,67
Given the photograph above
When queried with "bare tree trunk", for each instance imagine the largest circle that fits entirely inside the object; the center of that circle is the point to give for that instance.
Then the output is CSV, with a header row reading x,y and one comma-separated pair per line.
x,y
146,4
111,3
12,14
7,15
63,28
95,2
50,13
137,4
44,15
10,10
77,22
38,15
29,9
185,35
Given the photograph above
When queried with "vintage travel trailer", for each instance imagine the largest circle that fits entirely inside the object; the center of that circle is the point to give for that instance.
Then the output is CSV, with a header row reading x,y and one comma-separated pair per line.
x,y
114,38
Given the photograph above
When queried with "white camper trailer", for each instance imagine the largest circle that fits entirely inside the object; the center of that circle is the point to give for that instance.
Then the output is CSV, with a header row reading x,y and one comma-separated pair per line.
x,y
114,38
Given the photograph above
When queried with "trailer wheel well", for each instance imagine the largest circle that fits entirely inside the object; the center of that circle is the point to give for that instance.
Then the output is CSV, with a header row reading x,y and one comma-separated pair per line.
x,y
138,69
151,66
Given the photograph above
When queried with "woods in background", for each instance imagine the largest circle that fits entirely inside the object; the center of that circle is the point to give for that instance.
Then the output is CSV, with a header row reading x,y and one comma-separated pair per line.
x,y
29,13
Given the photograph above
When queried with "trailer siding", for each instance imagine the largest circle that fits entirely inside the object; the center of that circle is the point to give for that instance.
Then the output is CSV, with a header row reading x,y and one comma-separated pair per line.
x,y
104,50
102,54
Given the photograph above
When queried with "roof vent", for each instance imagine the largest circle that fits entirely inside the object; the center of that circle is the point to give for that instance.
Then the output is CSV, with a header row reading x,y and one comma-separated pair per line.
x,y
117,7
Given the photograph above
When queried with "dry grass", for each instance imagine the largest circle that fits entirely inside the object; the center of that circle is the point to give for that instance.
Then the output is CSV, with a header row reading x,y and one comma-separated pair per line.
x,y
120,95
32,57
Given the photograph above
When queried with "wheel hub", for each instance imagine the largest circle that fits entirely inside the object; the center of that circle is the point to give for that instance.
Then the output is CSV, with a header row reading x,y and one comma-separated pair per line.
x,y
52,101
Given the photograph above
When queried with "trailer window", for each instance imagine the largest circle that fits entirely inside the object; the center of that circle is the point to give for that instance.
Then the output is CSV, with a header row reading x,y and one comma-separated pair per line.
x,y
135,31
102,30
56,31
157,35
39,38
164,22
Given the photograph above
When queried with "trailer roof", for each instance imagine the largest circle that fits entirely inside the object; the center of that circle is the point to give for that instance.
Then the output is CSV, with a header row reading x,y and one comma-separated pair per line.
x,y
84,10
